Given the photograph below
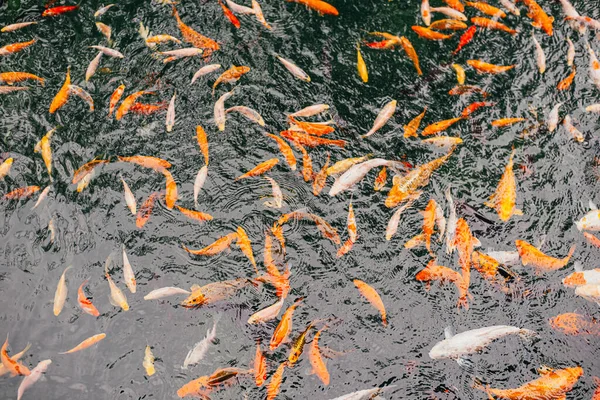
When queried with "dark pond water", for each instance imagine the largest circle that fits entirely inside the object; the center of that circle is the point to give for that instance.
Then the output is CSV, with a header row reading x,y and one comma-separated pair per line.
x,y
556,177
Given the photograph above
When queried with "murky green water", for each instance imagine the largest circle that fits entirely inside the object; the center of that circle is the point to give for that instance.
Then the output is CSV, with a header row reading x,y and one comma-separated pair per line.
x,y
553,191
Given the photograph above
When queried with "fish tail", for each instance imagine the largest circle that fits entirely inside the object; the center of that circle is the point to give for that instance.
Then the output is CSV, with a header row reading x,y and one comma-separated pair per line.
x,y
568,257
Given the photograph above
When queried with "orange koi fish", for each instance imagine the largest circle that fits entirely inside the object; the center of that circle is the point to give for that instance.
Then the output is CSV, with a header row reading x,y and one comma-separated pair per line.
x,y
575,324
361,65
380,180
15,368
486,8
429,34
352,232
195,215
260,169
429,215
319,6
541,20
465,243
403,187
114,99
487,68
434,272
505,197
311,128
145,210
506,122
439,126
277,377
492,24
230,16
233,74
194,38
310,141
285,149
475,106
460,74
128,103
171,190
86,169
155,163
456,4
553,384
53,12
381,45
540,261
411,53
244,243
195,388
592,239
21,193
465,38
15,47
148,109
11,78
372,297
410,129
284,327
260,366
467,89
86,343
63,94
202,142
317,363
85,304
566,83
320,179
216,247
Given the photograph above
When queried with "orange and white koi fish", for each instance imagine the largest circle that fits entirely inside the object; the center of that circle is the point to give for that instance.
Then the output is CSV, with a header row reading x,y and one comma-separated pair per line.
x,y
11,78
410,129
155,163
5,167
456,4
352,233
317,363
293,68
566,83
429,215
145,210
195,215
343,165
594,67
439,126
541,20
128,274
153,40
259,14
128,102
275,382
165,292
540,57
309,140
85,171
443,142
260,366
10,364
577,135
510,6
320,178
372,297
82,94
583,22
194,38
383,117
148,362
361,65
230,15
21,193
506,122
214,292
268,313
434,272
319,6
219,111
62,95
260,169
16,357
492,24
285,149
592,239
427,33
448,25
233,74
392,226
53,12
114,98
406,185
216,247
312,128
486,8
85,303
460,74
15,47
60,296
14,27
105,30
540,261
575,324
86,343
283,329
553,384
426,12
581,277
486,68
504,198
411,53
170,121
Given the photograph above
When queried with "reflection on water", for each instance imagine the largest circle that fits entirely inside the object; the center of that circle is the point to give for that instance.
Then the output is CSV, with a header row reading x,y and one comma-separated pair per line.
x,y
556,178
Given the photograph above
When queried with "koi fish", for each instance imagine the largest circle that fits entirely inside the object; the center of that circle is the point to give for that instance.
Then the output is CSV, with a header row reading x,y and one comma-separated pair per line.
x,y
590,221
244,243
410,129
85,304
277,377
144,212
312,128
86,169
473,341
233,74
594,67
448,25
552,121
589,292
319,6
173,55
298,346
293,68
103,10
82,94
128,102
592,239
467,89
541,20
197,353
356,173
411,53
194,38
197,387
105,30
307,170
471,108
21,193
504,198
15,47
581,277
465,39
195,215
114,98
14,27
465,242
434,272
577,135
439,126
450,12
456,4
60,295
109,52
372,297
199,182
510,6
247,112
10,364
487,68
214,292
155,163
259,14
343,165
575,324
260,169
584,22
216,247
170,121
428,227
238,9
392,226
5,167
285,149
309,140
365,394
566,83
53,12
284,327
382,118
202,142
128,274
11,78
62,95
492,24
540,261
91,69
320,179
318,366
361,65
31,379
460,74
267,314
12,89
148,362
540,57
486,8
153,40
310,110
552,384
260,367
219,110
426,12
488,266
506,122
230,16
86,343
165,292
429,34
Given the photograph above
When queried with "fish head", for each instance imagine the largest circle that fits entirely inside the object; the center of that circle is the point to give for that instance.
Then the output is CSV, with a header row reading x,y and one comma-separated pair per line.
x,y
196,299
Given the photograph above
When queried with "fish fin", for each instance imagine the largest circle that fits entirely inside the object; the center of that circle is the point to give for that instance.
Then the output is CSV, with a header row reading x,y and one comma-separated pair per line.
x,y
535,24
467,364
194,287
551,19
476,242
448,332
518,212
